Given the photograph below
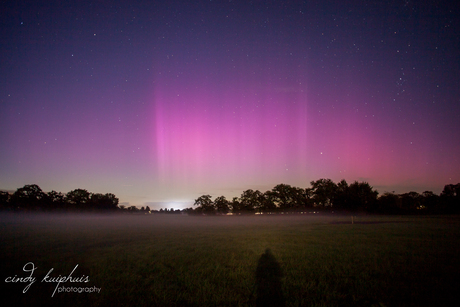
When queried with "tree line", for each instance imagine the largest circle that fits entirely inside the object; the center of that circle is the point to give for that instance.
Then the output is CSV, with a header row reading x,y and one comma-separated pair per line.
x,y
326,196
32,198
323,196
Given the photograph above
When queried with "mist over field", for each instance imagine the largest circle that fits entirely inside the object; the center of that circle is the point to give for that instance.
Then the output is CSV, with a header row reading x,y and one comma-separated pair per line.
x,y
180,260
68,222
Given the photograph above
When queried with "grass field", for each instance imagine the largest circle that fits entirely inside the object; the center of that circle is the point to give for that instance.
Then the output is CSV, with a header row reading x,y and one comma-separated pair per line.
x,y
174,260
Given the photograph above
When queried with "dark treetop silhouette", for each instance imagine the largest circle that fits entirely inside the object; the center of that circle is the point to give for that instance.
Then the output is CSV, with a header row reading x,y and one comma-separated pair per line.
x,y
323,196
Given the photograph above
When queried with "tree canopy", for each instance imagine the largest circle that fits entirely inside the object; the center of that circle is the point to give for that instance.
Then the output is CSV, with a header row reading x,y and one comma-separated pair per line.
x,y
326,196
323,196
32,198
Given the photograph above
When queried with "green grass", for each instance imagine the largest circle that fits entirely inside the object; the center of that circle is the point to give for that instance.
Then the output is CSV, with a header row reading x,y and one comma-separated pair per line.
x,y
166,260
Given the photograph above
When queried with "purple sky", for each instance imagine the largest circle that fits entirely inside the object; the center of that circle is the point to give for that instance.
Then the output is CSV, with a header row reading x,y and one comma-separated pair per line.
x,y
161,103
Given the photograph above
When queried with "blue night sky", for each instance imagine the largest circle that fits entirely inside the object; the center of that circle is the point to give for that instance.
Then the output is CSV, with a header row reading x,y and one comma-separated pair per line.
x,y
160,102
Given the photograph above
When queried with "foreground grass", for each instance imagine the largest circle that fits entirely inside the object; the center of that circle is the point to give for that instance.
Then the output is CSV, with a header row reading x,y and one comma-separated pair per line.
x,y
211,261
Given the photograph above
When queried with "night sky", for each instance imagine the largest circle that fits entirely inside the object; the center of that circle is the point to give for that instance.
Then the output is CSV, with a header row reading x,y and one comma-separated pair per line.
x,y
160,102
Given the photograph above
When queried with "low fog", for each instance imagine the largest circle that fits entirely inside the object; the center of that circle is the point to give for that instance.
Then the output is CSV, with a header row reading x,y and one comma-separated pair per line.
x,y
153,221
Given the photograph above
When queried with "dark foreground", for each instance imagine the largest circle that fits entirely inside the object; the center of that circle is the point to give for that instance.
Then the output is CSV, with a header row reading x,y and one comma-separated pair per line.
x,y
164,260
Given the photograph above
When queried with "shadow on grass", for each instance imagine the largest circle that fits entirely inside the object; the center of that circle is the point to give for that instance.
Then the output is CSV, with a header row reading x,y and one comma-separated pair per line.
x,y
268,281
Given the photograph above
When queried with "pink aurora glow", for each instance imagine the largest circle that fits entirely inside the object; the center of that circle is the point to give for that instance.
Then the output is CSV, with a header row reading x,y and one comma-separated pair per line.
x,y
161,102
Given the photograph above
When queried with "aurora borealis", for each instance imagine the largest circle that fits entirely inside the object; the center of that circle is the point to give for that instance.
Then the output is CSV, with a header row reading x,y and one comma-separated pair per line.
x,y
160,102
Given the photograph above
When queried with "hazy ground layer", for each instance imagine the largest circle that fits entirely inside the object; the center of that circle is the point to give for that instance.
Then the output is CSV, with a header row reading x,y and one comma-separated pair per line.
x,y
174,260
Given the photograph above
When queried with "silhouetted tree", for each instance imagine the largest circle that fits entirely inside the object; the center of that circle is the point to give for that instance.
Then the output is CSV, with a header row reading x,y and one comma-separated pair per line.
x,y
56,200
389,203
5,200
299,200
361,196
430,202
29,197
222,205
189,211
268,203
235,205
104,201
410,202
282,196
79,199
309,194
342,196
205,204
451,190
324,191
250,200
450,197
133,209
